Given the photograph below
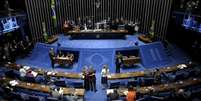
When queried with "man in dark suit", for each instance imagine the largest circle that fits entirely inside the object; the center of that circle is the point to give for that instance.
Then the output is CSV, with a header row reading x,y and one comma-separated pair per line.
x,y
52,57
85,73
119,61
92,79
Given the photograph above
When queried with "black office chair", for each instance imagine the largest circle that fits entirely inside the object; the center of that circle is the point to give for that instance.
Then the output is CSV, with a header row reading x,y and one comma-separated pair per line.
x,y
34,98
132,83
60,83
16,96
148,81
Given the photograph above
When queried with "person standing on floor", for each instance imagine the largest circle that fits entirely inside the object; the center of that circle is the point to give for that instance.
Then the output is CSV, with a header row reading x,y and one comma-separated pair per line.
x,y
85,74
119,61
92,78
104,74
52,57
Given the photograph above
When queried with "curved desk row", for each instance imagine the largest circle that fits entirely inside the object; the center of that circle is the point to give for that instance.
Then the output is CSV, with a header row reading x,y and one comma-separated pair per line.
x,y
48,73
41,88
161,87
115,76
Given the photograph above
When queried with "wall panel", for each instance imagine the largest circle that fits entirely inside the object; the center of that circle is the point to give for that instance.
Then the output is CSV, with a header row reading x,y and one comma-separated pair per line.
x,y
144,11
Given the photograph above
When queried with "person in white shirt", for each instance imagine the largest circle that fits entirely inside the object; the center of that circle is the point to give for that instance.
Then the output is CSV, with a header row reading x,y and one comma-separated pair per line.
x,y
104,74
22,73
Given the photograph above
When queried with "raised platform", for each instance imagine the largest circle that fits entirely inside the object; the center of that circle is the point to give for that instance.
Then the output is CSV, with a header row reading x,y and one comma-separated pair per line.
x,y
98,34
128,42
100,52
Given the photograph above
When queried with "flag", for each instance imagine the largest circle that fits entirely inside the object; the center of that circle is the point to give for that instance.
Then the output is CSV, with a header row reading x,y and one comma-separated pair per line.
x,y
54,18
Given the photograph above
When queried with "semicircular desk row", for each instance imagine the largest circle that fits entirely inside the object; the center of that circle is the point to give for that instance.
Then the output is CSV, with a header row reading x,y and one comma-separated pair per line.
x,y
122,92
40,87
111,76
160,87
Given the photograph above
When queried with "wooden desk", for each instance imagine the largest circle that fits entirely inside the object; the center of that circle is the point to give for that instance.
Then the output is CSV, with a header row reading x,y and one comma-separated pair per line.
x,y
44,88
64,60
115,76
112,76
52,39
50,73
144,38
163,87
67,75
91,34
128,61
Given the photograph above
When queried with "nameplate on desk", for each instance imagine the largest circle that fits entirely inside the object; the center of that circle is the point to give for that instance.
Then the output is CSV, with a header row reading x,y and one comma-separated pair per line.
x,y
110,91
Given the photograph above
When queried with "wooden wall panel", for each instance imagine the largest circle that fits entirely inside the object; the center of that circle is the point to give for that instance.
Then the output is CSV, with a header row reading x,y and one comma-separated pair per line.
x,y
144,11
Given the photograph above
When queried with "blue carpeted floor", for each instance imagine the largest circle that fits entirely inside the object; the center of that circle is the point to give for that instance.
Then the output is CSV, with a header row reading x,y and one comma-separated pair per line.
x,y
98,44
100,52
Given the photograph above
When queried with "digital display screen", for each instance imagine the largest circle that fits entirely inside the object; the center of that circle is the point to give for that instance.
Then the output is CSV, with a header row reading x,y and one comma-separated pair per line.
x,y
9,24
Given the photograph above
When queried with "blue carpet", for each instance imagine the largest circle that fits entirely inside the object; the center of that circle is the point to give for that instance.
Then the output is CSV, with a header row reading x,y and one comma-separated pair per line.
x,y
40,59
100,52
39,56
153,55
98,44
97,58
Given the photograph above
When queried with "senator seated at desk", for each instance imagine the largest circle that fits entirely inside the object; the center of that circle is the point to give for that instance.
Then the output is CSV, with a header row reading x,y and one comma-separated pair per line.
x,y
130,60
64,58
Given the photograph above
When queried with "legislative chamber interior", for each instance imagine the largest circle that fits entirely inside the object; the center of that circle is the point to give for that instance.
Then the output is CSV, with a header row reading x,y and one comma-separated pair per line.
x,y
100,50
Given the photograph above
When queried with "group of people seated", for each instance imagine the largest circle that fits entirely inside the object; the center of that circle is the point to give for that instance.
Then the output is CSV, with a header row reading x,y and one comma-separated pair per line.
x,y
26,78
68,55
60,57
163,83
89,75
130,95
113,24
25,73
9,51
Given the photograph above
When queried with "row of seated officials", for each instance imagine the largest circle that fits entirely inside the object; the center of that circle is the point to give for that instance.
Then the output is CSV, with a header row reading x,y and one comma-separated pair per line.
x,y
147,97
187,71
60,57
11,93
113,24
158,78
29,76
9,51
177,94
26,74
188,94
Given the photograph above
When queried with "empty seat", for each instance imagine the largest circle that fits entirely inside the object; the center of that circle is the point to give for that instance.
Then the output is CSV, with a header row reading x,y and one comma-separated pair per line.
x,y
60,83
148,81
30,79
36,98
52,99
133,83
114,84
16,96
179,76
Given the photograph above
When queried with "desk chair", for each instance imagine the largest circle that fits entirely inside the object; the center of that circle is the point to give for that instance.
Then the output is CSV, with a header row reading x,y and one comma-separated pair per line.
x,y
52,99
